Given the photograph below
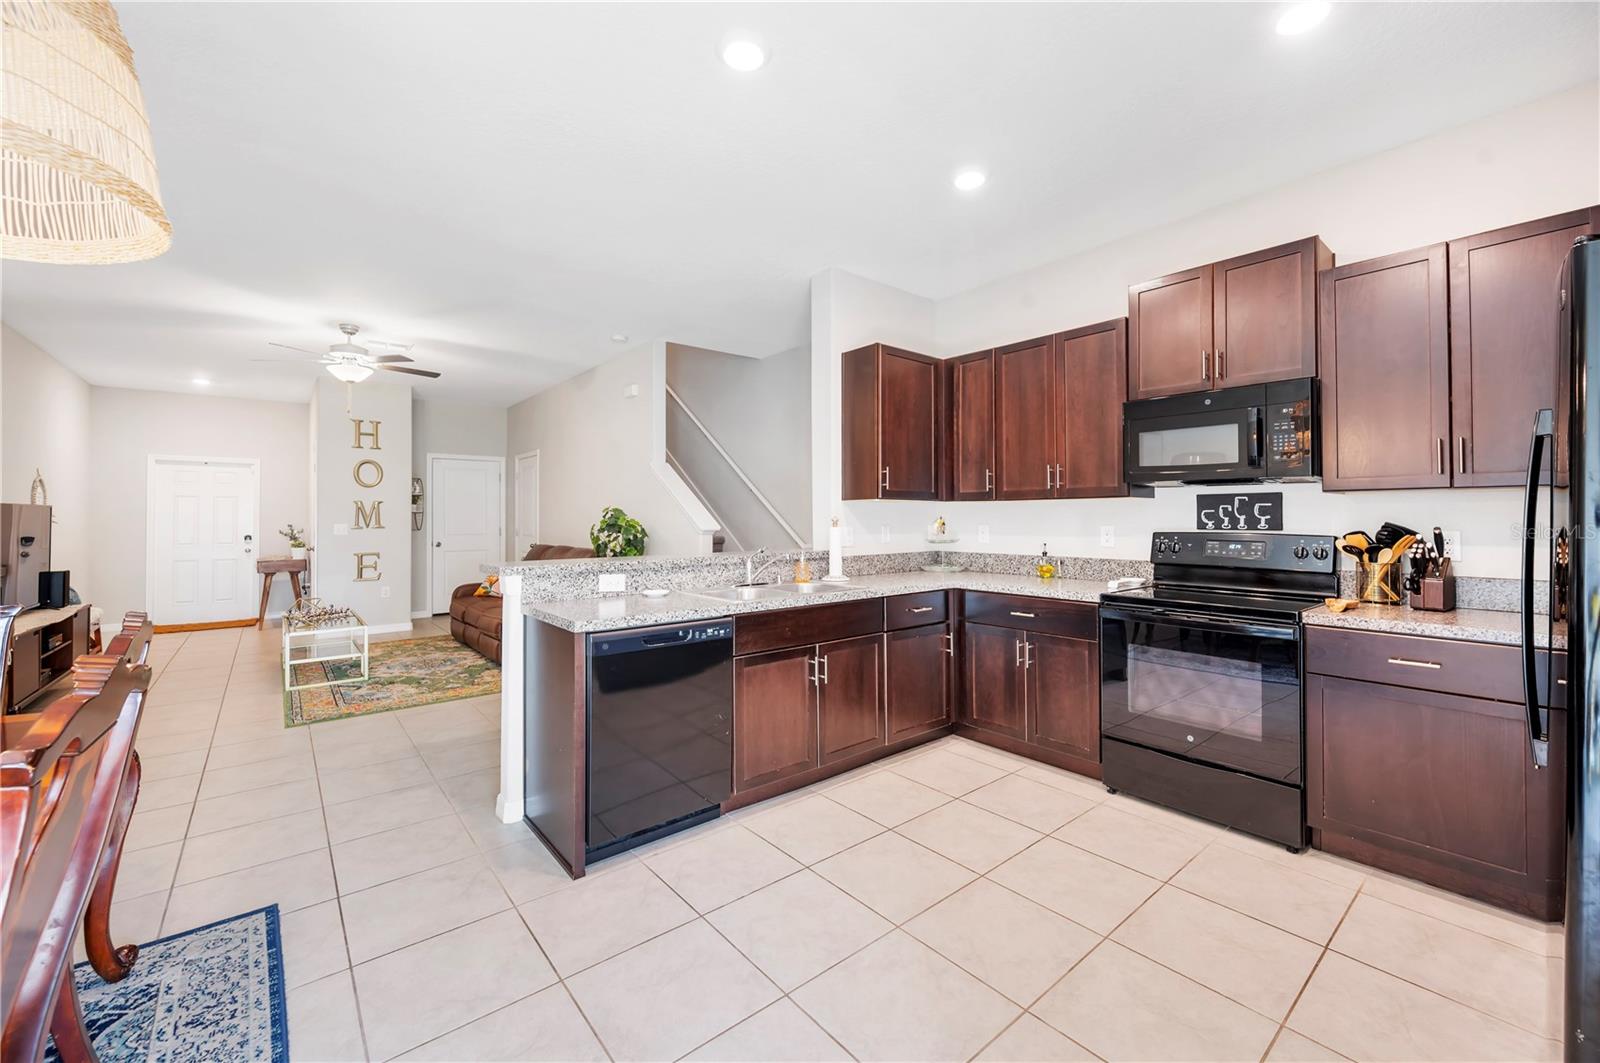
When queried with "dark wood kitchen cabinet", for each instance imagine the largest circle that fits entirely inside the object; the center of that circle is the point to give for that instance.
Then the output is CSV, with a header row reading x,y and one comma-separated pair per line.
x,y
919,676
1091,384
972,432
774,717
1428,782
892,402
1025,419
849,685
1246,320
1385,376
996,689
1505,358
1064,694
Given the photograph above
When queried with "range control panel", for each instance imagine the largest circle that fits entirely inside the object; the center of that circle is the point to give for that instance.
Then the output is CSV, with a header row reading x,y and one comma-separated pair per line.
x,y
1280,551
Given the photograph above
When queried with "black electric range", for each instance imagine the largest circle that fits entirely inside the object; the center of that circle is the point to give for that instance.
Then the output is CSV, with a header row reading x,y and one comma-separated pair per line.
x,y
1201,701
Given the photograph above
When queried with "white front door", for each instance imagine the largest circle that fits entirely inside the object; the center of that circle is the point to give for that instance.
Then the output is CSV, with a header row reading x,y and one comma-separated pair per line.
x,y
527,504
203,540
467,500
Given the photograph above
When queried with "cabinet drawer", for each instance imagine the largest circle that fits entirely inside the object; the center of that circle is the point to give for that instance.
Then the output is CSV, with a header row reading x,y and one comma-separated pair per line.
x,y
1475,669
782,628
1051,616
913,610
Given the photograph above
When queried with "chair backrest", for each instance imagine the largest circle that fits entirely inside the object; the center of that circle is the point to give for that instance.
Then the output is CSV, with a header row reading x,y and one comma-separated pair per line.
x,y
58,794
8,616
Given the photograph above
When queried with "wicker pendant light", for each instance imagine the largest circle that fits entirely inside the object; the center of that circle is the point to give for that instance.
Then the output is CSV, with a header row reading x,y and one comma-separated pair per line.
x,y
77,169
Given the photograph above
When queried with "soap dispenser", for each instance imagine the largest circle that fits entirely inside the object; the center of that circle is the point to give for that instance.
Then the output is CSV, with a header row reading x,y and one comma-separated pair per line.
x,y
1046,568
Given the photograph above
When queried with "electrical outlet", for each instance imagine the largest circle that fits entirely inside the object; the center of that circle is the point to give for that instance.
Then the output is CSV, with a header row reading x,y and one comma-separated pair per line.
x,y
983,533
1452,545
1108,535
883,533
384,592
612,583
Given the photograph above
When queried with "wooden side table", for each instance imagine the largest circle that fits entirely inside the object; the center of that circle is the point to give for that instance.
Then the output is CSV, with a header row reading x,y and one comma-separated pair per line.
x,y
271,566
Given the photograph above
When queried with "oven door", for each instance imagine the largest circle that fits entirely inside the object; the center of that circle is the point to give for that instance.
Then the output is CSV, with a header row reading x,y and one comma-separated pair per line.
x,y
1213,690
1209,446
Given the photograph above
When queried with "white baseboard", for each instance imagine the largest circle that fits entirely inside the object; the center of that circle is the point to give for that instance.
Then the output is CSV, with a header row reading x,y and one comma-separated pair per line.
x,y
420,614
388,629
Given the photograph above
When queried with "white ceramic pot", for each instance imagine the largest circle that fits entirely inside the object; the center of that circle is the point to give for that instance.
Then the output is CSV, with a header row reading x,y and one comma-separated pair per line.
x,y
297,552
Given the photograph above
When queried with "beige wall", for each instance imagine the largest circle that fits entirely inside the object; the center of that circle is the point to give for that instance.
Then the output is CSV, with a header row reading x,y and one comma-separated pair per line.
x,y
594,445
460,428
1526,163
128,426
44,425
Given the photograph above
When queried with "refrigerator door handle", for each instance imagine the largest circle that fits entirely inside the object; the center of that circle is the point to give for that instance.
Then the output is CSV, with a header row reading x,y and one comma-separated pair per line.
x,y
1538,736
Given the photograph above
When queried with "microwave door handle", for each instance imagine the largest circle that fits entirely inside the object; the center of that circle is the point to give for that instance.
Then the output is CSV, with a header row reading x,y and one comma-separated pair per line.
x,y
1538,737
1255,437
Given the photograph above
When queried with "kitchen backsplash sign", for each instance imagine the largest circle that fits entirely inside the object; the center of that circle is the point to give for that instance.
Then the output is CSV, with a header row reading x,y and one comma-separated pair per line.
x,y
1240,511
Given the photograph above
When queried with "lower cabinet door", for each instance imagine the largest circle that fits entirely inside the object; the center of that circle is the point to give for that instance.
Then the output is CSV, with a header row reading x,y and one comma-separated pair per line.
x,y
1443,781
850,696
917,662
995,699
774,717
1064,695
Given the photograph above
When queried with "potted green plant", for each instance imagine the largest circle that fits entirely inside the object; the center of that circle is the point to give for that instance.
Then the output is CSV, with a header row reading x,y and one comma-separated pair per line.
x,y
617,535
297,541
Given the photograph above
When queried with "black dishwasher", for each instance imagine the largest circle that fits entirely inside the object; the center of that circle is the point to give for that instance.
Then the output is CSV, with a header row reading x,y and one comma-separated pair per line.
x,y
660,740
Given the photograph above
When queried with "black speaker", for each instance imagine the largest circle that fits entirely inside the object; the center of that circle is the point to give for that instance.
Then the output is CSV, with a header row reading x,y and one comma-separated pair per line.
x,y
53,588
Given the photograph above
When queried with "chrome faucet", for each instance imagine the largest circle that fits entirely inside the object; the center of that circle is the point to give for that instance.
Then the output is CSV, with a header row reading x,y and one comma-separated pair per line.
x,y
750,570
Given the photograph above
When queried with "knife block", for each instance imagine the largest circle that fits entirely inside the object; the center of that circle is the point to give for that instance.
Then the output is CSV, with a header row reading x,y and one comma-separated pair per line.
x,y
1438,594
1379,584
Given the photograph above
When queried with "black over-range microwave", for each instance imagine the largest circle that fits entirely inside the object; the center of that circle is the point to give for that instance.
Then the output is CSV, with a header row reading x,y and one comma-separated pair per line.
x,y
1234,435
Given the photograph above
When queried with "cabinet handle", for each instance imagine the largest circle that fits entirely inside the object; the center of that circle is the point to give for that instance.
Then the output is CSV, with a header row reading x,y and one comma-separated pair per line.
x,y
923,609
988,479
812,671
1222,364
1205,366
1058,477
1048,482
950,643
884,483
1461,453
1018,661
1415,664
1440,457
824,669
1015,612
1027,654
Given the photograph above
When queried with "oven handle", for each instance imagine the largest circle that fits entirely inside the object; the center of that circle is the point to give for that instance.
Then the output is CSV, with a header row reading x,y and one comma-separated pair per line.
x,y
1286,632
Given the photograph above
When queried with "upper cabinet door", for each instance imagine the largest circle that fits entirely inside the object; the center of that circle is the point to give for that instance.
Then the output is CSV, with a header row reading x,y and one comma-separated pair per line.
x,y
1505,361
891,402
1092,373
1265,314
1169,335
1025,425
1386,372
972,426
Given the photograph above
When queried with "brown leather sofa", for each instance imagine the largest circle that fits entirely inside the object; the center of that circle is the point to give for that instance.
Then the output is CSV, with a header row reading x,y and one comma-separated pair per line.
x,y
475,620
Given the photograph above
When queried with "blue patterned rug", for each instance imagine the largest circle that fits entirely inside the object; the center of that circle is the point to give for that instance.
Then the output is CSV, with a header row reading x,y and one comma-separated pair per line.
x,y
212,993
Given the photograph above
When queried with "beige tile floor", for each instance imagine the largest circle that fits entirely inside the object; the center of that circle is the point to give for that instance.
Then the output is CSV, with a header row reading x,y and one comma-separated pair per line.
x,y
950,903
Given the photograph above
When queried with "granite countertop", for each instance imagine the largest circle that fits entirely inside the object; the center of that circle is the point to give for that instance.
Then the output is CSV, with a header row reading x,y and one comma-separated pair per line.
x,y
634,610
1466,625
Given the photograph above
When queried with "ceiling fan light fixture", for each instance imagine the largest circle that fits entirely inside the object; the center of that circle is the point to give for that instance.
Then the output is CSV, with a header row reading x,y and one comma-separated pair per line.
x,y
350,372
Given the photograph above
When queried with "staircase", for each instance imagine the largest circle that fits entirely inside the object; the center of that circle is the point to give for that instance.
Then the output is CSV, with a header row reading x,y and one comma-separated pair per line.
x,y
748,518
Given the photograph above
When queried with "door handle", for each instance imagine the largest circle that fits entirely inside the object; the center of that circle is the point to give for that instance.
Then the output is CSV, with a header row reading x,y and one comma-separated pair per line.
x,y
950,642
1461,453
1415,664
813,673
1058,476
1048,482
884,483
988,479
923,609
1018,662
1205,366
824,669
1027,654
1222,364
1016,612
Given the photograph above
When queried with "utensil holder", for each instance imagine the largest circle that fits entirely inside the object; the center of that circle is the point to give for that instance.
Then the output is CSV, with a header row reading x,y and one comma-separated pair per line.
x,y
1438,594
1379,583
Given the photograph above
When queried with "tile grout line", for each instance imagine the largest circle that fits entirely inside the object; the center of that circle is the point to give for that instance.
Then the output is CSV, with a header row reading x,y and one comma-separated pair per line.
x,y
1284,1023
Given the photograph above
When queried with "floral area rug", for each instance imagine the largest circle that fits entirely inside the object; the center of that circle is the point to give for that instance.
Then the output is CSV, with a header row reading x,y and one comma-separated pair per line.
x,y
212,993
401,675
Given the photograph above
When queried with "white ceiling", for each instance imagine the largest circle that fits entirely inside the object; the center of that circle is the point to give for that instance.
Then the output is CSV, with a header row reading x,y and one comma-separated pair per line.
x,y
507,186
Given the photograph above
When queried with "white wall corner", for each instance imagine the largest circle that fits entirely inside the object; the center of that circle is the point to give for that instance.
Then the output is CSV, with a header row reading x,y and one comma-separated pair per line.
x,y
705,525
513,662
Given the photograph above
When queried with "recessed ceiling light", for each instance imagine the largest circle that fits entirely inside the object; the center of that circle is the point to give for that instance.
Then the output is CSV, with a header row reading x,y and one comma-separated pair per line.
x,y
619,337
744,55
970,180
1303,16
200,382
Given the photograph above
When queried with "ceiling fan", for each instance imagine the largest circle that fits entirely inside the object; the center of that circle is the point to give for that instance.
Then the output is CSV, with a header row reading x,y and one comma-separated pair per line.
x,y
352,363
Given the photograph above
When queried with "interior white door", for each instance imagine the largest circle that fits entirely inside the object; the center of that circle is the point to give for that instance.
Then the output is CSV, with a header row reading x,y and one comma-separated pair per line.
x,y
527,523
467,503
204,541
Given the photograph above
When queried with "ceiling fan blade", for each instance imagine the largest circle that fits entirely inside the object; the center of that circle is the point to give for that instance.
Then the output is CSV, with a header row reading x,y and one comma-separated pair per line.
x,y
302,350
379,359
429,373
290,361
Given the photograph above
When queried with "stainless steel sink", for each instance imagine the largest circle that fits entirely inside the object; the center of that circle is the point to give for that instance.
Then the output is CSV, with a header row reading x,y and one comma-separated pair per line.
x,y
757,593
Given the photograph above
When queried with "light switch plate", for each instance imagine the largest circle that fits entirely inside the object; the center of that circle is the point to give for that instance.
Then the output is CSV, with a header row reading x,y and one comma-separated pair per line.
x,y
613,583
341,529
384,592
883,533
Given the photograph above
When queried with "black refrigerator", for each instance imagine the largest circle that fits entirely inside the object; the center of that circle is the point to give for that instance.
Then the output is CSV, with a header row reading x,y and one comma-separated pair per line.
x,y
1576,513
